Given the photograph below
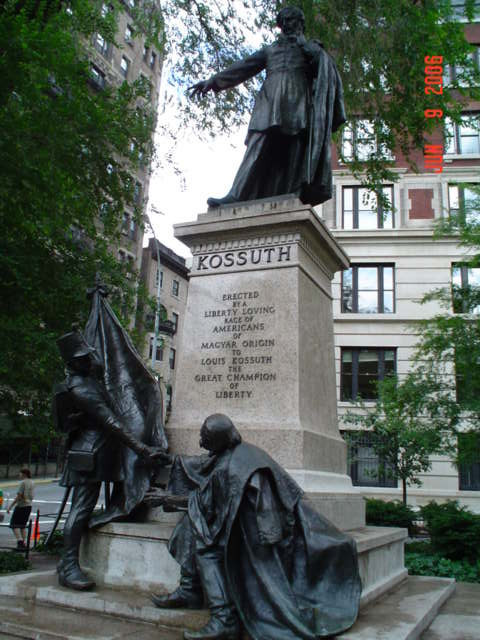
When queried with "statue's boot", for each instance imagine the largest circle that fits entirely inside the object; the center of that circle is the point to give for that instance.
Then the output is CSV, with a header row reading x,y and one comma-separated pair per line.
x,y
224,623
215,629
218,202
187,596
70,575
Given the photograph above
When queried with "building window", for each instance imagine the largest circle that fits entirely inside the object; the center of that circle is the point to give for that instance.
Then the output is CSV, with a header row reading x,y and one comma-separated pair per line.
x,y
137,192
124,66
458,9
128,34
362,368
461,75
168,398
97,77
368,288
159,274
153,58
125,219
159,357
469,473
101,45
132,231
465,288
175,321
175,288
126,258
362,209
172,359
365,467
106,8
462,138
363,139
465,201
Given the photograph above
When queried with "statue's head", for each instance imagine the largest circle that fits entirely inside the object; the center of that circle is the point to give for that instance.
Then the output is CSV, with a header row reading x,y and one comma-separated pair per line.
x,y
219,433
77,354
291,20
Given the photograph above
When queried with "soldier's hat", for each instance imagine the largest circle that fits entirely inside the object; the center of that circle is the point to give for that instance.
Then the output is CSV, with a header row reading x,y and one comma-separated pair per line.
x,y
73,345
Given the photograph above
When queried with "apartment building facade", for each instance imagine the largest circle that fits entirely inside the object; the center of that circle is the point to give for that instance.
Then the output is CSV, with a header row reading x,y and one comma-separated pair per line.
x,y
166,272
395,261
129,60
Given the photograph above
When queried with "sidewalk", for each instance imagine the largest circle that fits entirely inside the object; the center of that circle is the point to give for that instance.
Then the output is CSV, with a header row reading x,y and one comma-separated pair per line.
x,y
459,618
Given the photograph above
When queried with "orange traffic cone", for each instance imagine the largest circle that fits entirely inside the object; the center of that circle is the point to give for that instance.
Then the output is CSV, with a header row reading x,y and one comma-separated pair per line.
x,y
36,529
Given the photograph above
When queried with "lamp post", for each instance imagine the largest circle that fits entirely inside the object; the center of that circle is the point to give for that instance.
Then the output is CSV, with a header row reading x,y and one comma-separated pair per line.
x,y
158,307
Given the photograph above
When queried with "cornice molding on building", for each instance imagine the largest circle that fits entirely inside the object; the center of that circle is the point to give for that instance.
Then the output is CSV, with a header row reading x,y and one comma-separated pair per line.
x,y
357,318
347,175
472,171
401,235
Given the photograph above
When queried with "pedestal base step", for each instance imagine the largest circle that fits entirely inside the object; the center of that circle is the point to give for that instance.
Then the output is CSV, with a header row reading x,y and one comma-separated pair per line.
x,y
402,614
136,556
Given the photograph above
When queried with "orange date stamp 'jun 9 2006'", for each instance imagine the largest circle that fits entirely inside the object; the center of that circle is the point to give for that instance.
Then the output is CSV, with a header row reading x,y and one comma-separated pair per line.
x,y
433,153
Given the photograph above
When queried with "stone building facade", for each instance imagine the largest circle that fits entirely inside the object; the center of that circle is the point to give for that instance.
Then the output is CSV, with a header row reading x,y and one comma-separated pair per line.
x,y
395,261
112,65
172,275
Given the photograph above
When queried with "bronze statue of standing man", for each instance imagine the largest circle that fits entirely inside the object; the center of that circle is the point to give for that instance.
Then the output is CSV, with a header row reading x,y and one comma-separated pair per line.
x,y
298,107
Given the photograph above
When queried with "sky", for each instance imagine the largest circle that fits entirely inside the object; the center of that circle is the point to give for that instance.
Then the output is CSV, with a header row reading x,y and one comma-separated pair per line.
x,y
207,169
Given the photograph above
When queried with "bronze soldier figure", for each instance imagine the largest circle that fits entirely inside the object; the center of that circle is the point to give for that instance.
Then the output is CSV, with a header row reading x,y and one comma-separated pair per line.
x,y
298,107
96,435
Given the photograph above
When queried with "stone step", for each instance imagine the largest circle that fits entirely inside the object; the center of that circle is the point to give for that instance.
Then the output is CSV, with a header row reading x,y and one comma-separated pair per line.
x,y
136,555
402,614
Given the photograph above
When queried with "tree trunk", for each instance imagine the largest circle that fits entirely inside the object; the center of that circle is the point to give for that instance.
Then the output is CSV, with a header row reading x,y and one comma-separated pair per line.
x,y
404,491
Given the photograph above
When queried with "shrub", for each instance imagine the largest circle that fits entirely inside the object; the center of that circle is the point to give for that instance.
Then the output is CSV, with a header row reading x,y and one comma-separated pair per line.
x,y
454,531
422,547
56,544
419,564
390,514
11,562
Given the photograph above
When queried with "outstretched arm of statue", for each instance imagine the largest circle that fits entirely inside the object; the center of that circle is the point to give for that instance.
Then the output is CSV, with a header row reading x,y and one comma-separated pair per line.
x,y
234,75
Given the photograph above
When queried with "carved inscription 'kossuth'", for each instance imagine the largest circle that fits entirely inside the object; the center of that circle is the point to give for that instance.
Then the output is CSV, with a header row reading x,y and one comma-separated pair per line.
x,y
239,355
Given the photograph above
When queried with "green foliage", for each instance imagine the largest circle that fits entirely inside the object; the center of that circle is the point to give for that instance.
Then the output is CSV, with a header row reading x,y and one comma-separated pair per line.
x,y
411,419
65,152
54,548
436,565
454,531
423,547
390,514
10,562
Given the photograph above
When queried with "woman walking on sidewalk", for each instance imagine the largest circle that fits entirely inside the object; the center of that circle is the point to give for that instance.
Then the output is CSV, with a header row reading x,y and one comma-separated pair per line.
x,y
23,507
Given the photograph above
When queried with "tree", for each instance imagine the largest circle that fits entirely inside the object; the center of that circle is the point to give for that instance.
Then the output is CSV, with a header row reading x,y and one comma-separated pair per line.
x,y
67,156
412,419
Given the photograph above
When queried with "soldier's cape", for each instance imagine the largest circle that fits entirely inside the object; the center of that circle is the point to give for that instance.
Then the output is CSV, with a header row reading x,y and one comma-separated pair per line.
x,y
134,395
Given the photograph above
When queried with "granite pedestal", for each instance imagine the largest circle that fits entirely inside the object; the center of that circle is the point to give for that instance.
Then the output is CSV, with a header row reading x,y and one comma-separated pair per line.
x,y
258,342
